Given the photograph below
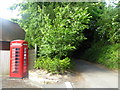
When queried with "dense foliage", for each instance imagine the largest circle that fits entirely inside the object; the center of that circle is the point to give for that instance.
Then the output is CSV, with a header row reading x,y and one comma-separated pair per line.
x,y
106,43
56,32
103,54
108,25
59,29
54,65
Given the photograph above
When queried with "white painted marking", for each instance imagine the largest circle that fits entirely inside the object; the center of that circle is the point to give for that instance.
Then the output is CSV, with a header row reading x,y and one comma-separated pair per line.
x,y
68,85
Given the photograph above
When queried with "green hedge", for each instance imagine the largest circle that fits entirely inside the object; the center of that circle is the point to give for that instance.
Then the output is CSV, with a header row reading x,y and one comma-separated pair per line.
x,y
104,54
54,65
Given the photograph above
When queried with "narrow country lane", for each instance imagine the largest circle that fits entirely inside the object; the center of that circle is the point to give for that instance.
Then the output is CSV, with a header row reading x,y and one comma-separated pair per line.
x,y
96,76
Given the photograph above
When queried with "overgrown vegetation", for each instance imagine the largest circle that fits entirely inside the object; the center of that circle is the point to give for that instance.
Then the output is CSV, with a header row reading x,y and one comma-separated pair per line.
x,y
56,32
103,54
104,49
54,65
61,28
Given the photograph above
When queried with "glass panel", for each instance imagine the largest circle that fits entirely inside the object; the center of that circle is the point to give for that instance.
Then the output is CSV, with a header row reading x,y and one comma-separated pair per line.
x,y
16,55
17,52
17,48
25,61
15,60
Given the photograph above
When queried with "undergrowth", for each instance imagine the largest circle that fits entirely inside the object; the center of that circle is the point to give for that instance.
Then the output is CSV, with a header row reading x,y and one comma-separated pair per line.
x,y
104,54
55,65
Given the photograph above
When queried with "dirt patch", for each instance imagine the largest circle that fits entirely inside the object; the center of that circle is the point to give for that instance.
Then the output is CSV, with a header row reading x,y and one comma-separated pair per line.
x,y
44,77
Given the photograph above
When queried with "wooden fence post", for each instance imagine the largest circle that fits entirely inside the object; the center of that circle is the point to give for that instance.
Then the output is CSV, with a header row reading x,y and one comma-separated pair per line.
x,y
35,51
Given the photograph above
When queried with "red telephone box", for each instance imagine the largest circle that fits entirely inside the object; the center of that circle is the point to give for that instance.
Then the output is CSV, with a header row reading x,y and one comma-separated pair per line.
x,y
18,58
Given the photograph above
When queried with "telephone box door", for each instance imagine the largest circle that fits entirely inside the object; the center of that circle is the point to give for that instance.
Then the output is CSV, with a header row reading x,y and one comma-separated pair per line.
x,y
18,58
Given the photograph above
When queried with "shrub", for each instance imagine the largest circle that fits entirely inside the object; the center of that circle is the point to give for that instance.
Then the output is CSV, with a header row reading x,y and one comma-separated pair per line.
x,y
55,37
104,54
108,25
54,65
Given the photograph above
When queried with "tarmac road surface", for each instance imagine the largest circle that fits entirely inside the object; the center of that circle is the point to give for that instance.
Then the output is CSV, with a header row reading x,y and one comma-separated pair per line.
x,y
96,76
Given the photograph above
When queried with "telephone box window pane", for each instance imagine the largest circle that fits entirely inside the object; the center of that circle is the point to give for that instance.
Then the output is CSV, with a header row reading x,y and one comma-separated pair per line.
x,y
16,58
17,48
16,61
16,55
15,71
16,52
13,49
24,57
16,64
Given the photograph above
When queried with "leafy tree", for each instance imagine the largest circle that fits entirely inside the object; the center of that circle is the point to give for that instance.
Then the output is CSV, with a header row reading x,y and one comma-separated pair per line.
x,y
57,29
105,50
95,9
108,25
